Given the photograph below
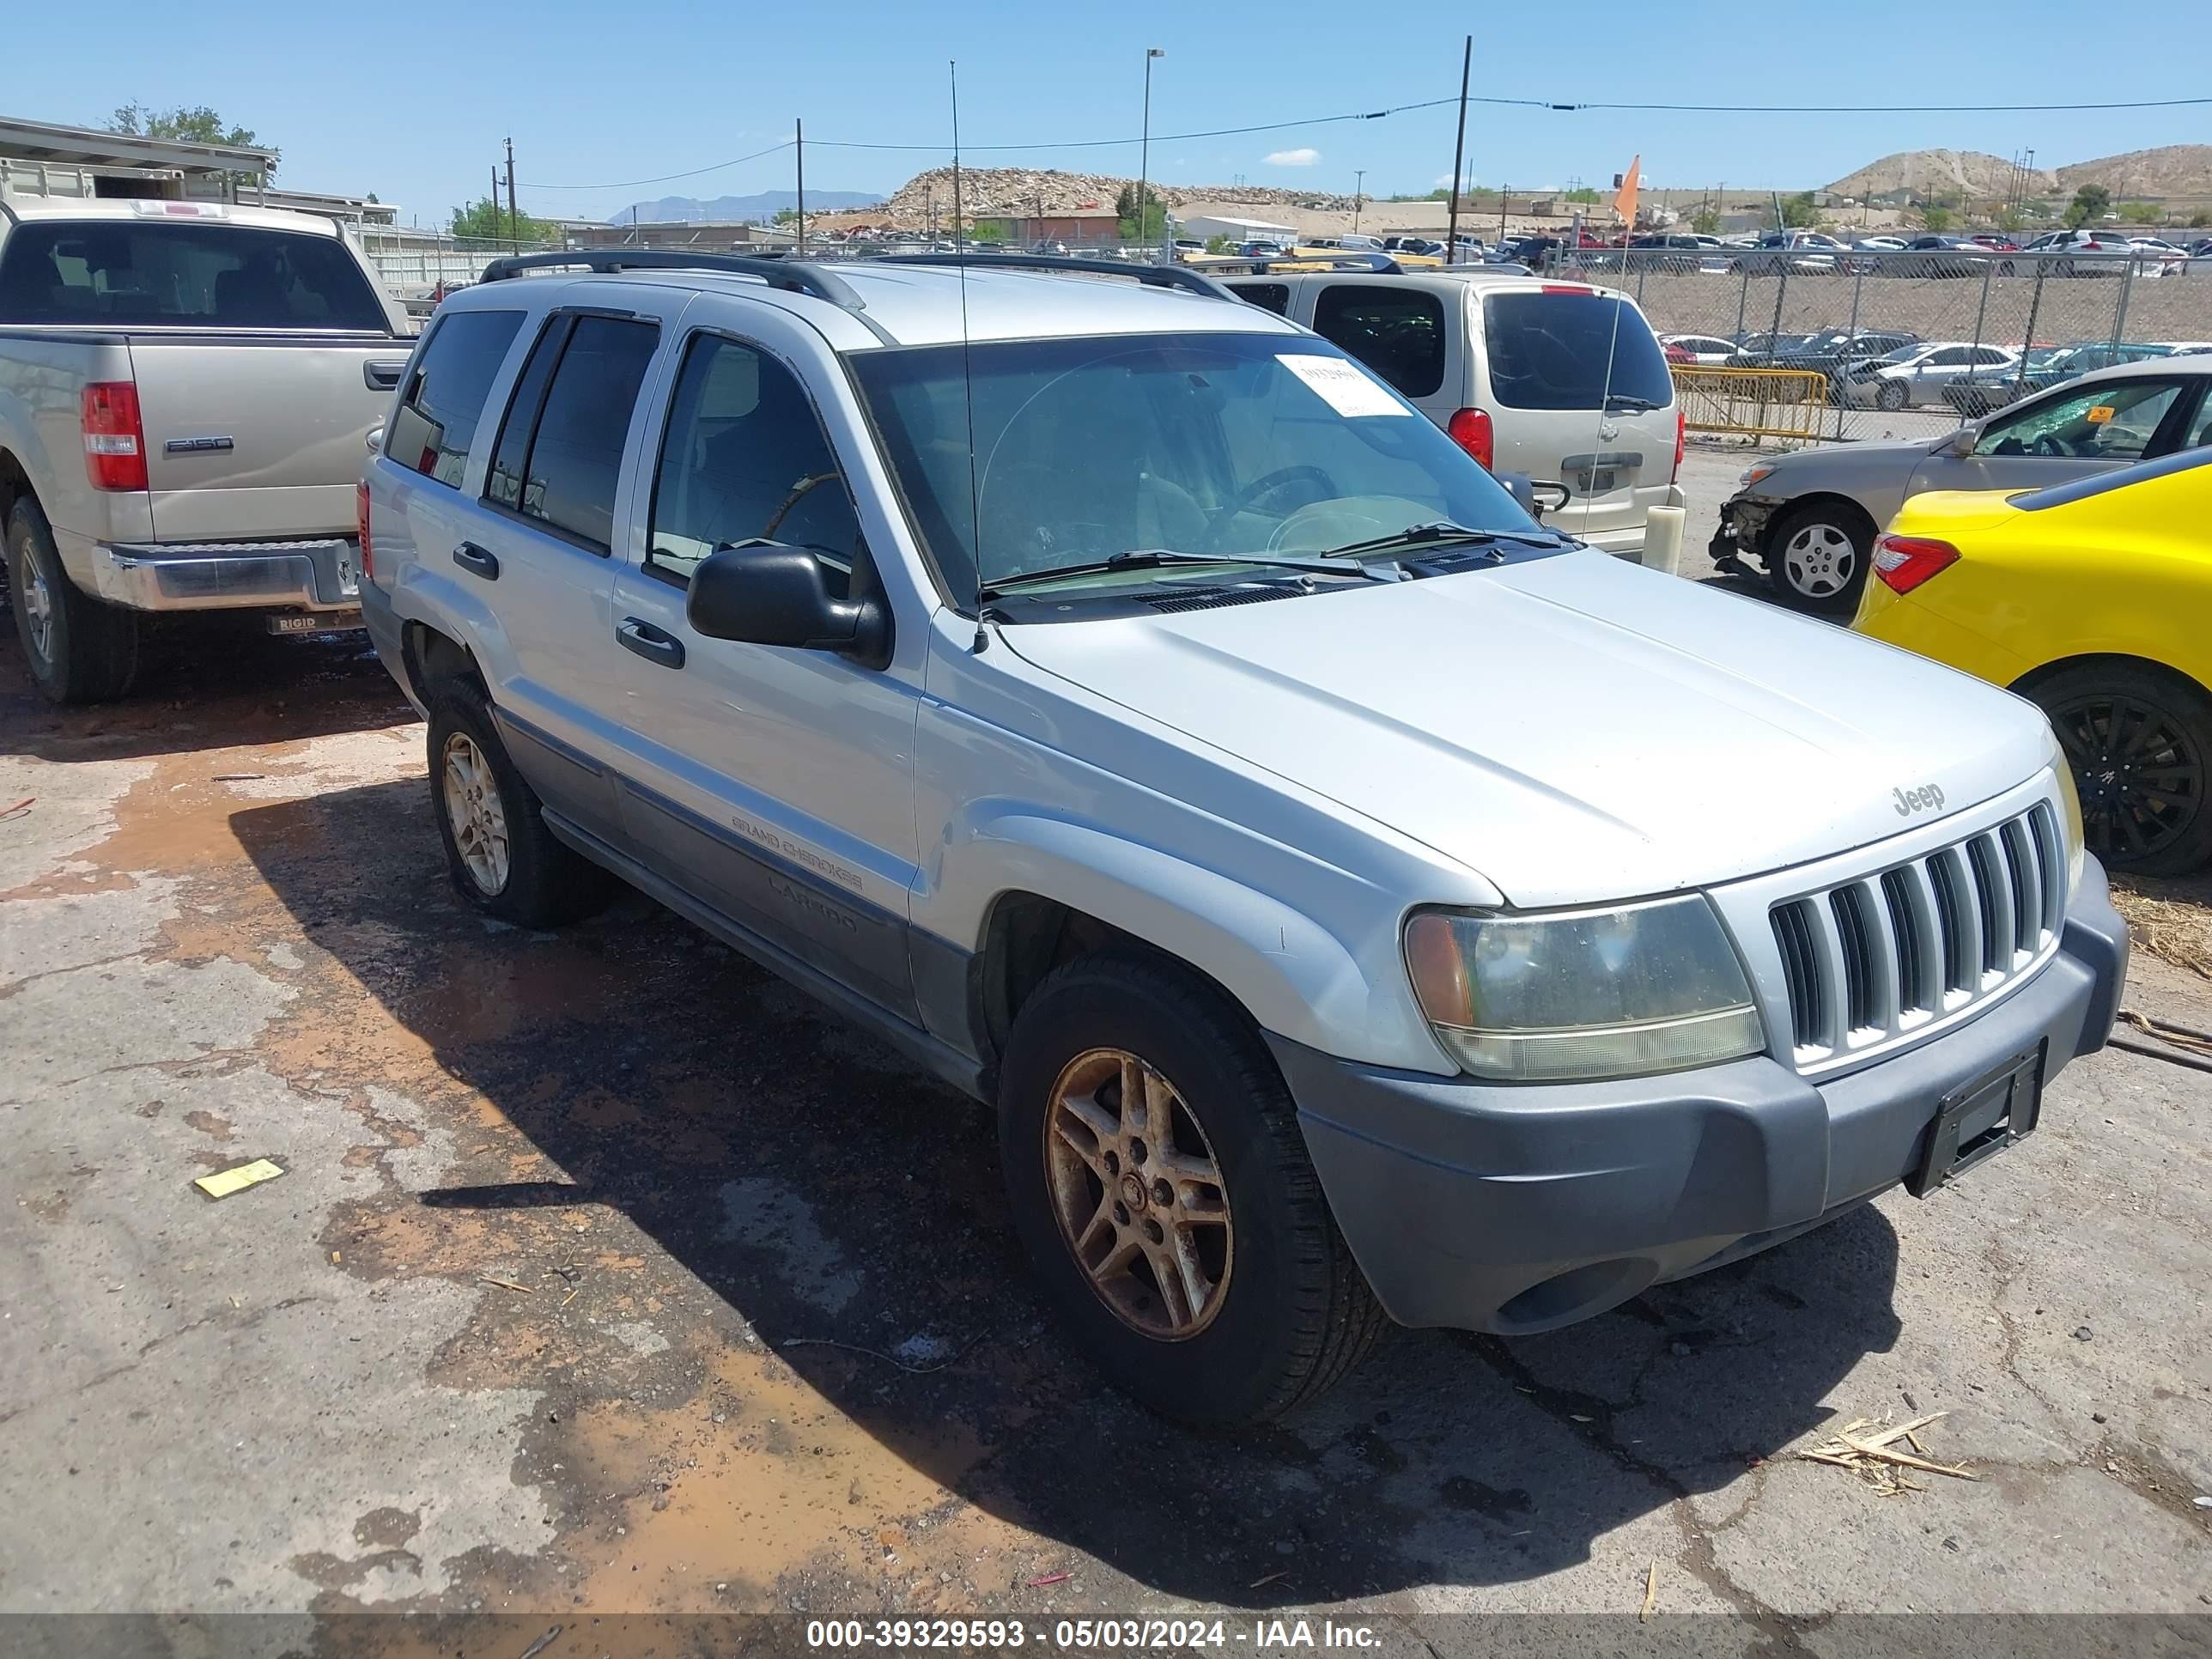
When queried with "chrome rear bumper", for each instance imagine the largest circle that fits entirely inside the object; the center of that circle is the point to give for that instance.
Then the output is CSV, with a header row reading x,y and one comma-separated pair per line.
x,y
318,574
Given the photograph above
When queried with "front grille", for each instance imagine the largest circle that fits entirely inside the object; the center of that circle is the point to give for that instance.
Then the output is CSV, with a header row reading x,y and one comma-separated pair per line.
x,y
1881,956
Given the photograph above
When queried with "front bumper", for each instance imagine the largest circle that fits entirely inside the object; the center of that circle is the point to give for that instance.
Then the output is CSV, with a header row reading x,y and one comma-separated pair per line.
x,y
1741,532
321,575
1521,1208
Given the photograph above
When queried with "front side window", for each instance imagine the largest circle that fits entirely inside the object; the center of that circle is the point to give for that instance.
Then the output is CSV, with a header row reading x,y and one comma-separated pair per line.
x,y
184,273
2115,422
1216,445
438,415
1398,332
744,458
560,450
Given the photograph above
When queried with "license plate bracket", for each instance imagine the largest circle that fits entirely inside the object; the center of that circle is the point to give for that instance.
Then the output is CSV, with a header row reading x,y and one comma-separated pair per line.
x,y
1980,1120
314,622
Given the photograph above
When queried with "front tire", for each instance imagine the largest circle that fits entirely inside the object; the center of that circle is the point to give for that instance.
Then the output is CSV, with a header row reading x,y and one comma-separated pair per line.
x,y
1157,1178
77,649
502,859
1890,397
2139,739
1817,557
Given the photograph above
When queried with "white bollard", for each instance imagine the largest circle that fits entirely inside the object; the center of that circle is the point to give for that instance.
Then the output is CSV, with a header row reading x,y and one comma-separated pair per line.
x,y
1663,538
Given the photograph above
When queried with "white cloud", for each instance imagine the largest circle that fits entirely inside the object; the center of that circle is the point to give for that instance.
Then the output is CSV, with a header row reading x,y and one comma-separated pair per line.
x,y
1292,158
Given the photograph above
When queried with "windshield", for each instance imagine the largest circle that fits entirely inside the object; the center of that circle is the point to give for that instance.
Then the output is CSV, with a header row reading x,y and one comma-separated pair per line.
x,y
1220,444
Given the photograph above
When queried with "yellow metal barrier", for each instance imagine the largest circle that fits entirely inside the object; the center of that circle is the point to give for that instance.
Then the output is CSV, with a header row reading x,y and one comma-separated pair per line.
x,y
1751,403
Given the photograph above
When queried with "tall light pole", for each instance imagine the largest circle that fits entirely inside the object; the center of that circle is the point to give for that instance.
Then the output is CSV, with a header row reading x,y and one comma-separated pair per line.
x,y
1144,143
1359,190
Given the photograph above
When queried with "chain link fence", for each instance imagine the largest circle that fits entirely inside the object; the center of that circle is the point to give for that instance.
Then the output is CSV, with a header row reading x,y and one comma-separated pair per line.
x,y
1910,343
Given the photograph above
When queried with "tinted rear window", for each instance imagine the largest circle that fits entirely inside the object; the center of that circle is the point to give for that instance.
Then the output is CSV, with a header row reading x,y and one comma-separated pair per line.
x,y
125,273
1268,296
1569,350
1398,332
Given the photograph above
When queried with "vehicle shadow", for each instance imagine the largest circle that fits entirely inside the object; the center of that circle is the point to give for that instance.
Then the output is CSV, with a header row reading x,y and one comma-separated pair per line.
x,y
205,684
815,1191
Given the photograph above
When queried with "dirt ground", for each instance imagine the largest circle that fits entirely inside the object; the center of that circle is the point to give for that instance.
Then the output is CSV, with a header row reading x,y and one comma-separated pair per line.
x,y
609,1278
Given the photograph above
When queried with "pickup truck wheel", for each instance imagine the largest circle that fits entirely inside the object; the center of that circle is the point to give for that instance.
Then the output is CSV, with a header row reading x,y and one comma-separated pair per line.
x,y
1816,556
2140,743
78,649
502,858
1157,1176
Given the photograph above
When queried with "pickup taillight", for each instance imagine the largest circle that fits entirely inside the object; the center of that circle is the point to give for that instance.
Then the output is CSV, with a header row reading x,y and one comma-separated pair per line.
x,y
361,520
114,435
1471,430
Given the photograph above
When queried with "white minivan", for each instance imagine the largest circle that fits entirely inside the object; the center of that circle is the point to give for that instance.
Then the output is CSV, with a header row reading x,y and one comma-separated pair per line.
x,y
1563,381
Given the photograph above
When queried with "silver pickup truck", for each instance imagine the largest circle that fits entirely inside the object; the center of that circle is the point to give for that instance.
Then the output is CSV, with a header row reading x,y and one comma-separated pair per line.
x,y
185,389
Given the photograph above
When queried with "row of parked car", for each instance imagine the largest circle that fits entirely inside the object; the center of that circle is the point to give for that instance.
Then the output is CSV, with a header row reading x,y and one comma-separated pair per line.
x,y
1137,703
1893,369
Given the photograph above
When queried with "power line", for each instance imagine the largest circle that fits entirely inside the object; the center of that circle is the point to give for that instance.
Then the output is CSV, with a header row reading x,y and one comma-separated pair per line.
x,y
1431,103
662,178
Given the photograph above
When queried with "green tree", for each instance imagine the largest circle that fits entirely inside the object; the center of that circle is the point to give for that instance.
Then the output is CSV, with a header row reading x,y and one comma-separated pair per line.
x,y
2089,203
1217,244
1936,217
1705,222
2140,213
486,219
2007,219
992,230
786,215
2200,219
197,125
1798,212
1155,222
1584,195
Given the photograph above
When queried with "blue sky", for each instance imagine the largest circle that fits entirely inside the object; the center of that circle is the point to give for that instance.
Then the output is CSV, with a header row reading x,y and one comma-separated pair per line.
x,y
412,103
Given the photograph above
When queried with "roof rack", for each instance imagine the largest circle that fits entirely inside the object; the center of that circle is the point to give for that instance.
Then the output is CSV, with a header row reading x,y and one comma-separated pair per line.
x,y
1151,276
792,276
1355,263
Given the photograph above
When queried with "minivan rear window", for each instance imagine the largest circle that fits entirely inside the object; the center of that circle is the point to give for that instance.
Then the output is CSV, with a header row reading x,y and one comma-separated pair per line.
x,y
1572,350
182,273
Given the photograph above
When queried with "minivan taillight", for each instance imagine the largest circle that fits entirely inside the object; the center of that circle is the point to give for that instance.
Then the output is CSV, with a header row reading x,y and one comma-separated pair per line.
x,y
114,437
1681,435
360,519
1471,430
1906,562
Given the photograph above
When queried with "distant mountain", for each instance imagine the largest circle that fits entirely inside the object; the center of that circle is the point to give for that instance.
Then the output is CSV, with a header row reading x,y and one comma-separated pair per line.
x,y
740,210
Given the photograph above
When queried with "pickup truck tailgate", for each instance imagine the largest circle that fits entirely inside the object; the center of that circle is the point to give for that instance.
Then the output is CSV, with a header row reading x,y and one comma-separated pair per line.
x,y
259,436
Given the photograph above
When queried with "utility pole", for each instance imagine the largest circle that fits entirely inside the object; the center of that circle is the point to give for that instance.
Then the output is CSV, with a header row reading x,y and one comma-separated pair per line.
x,y
1359,191
514,218
1503,190
1145,147
495,201
798,144
1459,157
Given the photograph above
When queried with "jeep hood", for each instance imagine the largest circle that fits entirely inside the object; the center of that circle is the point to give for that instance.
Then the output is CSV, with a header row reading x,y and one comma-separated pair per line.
x,y
1571,729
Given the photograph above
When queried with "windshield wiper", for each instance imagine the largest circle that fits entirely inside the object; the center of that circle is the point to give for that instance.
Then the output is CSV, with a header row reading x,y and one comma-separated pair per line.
x,y
1154,558
1443,533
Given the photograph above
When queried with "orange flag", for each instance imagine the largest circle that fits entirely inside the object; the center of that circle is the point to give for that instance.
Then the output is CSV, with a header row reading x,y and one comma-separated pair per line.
x,y
1624,202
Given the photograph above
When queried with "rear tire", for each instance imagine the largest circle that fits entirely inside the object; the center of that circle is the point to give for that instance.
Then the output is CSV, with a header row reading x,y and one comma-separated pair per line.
x,y
502,859
1890,397
1817,556
2139,738
1281,1311
77,649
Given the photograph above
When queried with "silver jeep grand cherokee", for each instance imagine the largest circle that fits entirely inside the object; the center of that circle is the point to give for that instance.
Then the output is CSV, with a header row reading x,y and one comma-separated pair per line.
x,y
1357,899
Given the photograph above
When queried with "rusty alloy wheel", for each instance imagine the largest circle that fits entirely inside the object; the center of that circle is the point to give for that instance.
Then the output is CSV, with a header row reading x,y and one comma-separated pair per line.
x,y
1139,1195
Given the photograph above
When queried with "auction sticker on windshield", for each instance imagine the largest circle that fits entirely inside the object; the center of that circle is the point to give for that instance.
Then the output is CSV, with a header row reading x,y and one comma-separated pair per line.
x,y
1341,385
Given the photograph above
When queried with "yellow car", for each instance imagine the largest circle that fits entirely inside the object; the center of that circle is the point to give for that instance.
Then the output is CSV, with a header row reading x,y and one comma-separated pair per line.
x,y
2093,599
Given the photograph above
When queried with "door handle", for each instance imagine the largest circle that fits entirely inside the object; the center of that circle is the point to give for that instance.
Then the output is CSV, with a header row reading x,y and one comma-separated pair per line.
x,y
477,561
653,644
382,377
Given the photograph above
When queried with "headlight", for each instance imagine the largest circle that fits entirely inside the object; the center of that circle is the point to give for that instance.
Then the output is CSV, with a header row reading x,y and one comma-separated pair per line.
x,y
2069,803
1752,475
1586,993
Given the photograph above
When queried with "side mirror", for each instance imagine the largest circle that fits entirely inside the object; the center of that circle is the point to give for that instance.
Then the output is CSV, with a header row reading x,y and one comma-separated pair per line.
x,y
768,593
1523,488
1964,439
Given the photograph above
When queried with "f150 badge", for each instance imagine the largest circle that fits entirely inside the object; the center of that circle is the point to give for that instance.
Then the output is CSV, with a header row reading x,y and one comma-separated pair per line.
x,y
1925,798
